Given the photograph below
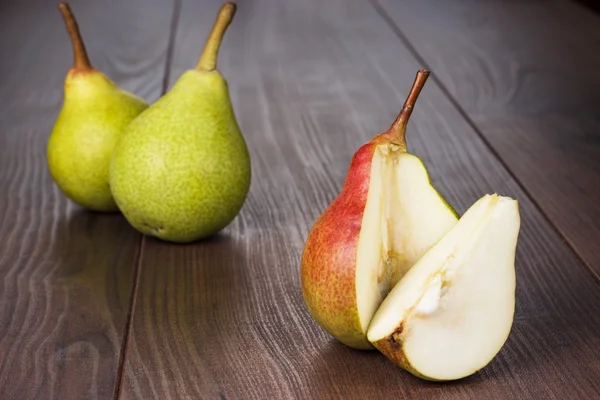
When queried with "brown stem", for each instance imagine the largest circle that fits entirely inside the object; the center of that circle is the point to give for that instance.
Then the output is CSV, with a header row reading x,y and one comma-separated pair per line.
x,y
80,57
208,59
397,132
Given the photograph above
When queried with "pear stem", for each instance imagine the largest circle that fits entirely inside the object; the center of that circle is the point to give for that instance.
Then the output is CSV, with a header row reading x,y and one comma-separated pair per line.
x,y
397,131
80,58
208,59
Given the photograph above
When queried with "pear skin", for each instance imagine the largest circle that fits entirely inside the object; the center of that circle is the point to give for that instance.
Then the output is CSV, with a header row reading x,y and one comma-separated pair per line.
x,y
391,347
328,277
94,113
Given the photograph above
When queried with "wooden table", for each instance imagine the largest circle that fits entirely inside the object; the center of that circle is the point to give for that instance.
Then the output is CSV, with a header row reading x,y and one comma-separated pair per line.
x,y
90,309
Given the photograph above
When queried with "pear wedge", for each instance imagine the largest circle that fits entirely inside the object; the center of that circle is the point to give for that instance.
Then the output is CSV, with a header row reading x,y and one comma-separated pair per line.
x,y
452,312
386,217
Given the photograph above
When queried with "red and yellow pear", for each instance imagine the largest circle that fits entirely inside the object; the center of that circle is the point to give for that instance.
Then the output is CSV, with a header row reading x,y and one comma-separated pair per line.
x,y
386,217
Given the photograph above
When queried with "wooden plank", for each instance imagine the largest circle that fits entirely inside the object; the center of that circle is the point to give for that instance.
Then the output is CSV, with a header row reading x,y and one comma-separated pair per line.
x,y
528,75
224,318
65,274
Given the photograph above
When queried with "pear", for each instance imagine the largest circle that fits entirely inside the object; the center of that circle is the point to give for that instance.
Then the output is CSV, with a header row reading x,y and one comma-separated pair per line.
x,y
386,217
94,112
452,312
181,170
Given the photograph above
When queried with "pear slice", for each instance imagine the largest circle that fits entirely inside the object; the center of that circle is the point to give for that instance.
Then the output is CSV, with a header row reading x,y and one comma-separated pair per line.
x,y
452,312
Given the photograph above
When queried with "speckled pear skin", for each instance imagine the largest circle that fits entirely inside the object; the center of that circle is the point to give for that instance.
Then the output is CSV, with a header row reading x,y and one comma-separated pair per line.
x,y
94,113
181,170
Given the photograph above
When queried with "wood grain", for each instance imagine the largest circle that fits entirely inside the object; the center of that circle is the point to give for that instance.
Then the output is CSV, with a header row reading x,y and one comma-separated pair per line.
x,y
65,274
224,318
528,75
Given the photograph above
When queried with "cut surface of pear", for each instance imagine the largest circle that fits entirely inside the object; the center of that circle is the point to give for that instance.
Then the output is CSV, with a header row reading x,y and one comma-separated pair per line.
x,y
452,312
387,215
404,216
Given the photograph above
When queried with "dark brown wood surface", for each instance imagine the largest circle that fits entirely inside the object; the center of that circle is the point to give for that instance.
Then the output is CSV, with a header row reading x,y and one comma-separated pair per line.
x,y
224,318
65,274
526,73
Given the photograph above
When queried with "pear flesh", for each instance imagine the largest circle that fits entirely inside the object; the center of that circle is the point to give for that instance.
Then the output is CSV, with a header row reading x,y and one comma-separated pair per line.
x,y
404,216
452,312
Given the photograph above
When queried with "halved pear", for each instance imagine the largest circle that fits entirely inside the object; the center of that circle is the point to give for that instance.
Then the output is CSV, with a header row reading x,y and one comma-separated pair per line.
x,y
386,217
452,312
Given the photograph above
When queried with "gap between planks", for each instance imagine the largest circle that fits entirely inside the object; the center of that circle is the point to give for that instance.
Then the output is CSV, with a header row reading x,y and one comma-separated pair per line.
x,y
456,104
142,242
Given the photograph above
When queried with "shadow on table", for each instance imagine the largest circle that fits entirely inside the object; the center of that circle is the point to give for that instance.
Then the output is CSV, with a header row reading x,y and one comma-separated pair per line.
x,y
368,372
89,242
191,297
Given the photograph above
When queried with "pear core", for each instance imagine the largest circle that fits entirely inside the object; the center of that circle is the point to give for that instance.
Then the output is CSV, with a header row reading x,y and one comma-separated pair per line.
x,y
404,216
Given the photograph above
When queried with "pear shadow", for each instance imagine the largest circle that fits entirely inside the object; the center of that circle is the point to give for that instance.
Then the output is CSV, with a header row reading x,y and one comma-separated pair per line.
x,y
362,373
194,291
87,240
357,372
90,263
96,256
371,372
218,237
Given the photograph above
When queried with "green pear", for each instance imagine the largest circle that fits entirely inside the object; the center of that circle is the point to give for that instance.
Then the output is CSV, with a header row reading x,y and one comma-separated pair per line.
x,y
94,112
181,170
